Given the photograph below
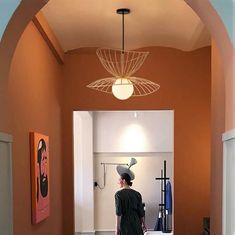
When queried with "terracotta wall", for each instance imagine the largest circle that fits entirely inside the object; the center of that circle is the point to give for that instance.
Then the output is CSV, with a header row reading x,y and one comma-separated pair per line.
x,y
35,96
218,128
185,79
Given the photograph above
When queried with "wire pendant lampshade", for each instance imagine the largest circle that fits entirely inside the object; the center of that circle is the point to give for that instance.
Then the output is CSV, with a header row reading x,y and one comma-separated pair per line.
x,y
122,65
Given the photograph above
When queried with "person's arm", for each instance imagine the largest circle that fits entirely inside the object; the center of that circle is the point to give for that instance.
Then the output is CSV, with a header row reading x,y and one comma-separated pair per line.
x,y
118,206
141,213
144,228
118,221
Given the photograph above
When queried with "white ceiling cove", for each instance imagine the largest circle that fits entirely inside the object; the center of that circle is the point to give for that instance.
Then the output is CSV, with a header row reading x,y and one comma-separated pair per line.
x,y
94,23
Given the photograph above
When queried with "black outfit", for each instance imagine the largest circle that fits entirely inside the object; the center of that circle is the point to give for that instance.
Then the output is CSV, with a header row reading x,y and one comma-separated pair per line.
x,y
129,206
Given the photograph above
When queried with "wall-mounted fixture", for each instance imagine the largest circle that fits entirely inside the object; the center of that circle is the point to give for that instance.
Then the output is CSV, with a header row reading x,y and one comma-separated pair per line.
x,y
122,64
121,168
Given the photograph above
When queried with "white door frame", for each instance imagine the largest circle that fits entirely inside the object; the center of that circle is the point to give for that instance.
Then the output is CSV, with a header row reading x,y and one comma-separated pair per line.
x,y
228,139
7,139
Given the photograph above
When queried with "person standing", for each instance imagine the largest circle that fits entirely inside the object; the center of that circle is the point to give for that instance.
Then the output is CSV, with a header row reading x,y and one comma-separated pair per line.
x,y
129,209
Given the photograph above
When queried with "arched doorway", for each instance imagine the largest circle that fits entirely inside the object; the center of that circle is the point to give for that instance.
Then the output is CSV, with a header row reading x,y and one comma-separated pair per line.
x,y
25,12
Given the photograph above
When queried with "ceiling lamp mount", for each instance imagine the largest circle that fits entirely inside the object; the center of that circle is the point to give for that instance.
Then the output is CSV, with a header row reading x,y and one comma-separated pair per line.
x,y
123,11
122,64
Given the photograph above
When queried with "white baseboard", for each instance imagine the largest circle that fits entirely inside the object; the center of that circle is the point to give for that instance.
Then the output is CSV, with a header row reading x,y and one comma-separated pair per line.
x,y
84,233
104,233
95,233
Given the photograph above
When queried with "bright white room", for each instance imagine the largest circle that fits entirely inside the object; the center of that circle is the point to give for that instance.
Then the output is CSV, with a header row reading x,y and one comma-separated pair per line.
x,y
105,139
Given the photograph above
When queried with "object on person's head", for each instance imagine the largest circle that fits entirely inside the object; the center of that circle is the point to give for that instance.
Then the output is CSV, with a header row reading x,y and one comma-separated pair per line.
x,y
132,162
123,169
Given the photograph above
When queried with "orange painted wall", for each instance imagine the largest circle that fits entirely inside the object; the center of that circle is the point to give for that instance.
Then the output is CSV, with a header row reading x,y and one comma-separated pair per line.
x,y
185,79
35,96
218,128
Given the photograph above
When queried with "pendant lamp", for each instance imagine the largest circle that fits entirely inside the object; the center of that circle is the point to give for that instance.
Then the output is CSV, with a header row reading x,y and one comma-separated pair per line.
x,y
122,65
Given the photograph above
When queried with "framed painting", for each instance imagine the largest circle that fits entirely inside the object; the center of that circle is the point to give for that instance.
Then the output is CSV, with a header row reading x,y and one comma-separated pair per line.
x,y
39,154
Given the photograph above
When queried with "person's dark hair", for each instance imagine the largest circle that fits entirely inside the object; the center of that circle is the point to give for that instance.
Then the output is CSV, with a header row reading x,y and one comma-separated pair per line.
x,y
127,178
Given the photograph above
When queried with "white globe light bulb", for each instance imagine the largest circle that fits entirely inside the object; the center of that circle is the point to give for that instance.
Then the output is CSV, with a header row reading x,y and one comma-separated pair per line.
x,y
122,88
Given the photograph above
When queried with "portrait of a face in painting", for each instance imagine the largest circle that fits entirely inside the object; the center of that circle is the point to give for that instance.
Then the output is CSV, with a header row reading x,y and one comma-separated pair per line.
x,y
40,177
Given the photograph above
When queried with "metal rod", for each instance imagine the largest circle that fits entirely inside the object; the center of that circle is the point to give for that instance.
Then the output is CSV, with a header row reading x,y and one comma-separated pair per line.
x,y
164,194
114,164
123,31
161,187
162,178
123,11
104,169
104,176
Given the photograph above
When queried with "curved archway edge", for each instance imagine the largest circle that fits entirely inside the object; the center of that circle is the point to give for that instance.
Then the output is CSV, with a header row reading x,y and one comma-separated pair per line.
x,y
212,20
27,9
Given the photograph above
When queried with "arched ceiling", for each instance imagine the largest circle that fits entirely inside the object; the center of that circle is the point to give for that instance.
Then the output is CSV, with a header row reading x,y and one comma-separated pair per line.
x,y
94,23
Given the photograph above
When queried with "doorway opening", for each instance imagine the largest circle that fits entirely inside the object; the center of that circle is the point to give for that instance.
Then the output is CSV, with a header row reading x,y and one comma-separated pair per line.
x,y
104,137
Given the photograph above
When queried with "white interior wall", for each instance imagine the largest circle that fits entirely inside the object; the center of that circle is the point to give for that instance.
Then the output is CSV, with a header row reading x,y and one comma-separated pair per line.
x,y
133,131
83,172
146,170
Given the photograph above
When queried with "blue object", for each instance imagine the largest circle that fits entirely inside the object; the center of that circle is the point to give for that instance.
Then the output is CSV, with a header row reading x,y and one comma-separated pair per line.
x,y
159,225
168,198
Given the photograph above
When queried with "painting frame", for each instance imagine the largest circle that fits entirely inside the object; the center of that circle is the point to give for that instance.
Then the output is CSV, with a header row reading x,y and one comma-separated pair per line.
x,y
40,178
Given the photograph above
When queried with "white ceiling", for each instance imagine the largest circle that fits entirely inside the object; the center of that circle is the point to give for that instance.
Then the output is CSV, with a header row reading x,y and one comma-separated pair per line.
x,y
94,23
